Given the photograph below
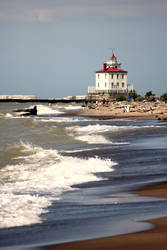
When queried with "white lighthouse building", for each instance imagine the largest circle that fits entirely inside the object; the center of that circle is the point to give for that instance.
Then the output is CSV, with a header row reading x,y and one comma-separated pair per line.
x,y
111,79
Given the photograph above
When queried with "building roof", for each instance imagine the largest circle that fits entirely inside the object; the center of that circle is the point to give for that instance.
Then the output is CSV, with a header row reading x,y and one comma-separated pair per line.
x,y
110,69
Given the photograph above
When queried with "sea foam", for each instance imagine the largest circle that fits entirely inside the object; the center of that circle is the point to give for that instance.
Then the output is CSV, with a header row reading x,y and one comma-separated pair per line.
x,y
47,110
29,188
97,128
97,134
92,134
94,139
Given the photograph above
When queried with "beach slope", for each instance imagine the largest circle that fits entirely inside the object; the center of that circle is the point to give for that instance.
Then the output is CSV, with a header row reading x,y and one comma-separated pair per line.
x,y
153,239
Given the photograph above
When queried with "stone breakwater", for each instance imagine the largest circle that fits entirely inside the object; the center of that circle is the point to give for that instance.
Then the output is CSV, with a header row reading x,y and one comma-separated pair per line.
x,y
134,110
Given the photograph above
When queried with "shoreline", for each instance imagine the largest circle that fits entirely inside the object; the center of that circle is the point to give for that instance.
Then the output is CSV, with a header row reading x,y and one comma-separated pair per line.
x,y
124,110
151,239
106,116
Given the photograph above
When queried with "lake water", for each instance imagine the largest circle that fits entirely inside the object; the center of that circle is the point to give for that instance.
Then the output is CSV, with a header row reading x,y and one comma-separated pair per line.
x,y
65,178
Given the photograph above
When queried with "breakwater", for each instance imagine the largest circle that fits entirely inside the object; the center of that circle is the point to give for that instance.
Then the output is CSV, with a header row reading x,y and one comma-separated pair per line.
x,y
43,100
24,99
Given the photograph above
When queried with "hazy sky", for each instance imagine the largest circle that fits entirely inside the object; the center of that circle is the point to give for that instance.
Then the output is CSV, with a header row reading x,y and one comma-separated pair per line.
x,y
52,48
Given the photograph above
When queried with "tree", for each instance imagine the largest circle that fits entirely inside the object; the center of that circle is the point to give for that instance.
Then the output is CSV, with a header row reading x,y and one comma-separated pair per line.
x,y
164,97
120,98
149,93
133,94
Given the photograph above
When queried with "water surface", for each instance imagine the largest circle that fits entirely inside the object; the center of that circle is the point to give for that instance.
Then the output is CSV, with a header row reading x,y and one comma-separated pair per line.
x,y
70,178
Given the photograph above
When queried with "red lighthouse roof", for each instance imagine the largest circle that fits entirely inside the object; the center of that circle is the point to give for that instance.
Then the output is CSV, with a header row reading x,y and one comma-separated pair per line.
x,y
114,70
112,66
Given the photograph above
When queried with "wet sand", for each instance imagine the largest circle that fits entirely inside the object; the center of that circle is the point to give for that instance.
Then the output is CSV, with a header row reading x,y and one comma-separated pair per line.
x,y
153,239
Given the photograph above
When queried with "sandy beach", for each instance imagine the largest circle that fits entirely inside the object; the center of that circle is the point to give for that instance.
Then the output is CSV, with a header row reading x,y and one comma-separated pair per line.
x,y
126,110
153,239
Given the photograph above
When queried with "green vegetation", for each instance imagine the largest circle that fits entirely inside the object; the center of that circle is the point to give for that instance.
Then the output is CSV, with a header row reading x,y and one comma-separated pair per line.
x,y
164,97
149,93
133,94
121,98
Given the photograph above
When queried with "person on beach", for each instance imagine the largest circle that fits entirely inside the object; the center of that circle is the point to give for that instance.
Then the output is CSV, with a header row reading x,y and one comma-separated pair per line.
x,y
104,101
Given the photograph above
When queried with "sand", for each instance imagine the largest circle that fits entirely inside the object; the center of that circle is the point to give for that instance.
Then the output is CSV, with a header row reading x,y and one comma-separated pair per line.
x,y
153,239
125,110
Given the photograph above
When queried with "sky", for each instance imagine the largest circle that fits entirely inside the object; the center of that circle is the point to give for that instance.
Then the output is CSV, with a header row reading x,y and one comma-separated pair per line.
x,y
52,48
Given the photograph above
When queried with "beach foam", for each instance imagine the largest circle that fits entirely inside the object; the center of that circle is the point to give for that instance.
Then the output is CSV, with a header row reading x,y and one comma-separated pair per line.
x,y
28,188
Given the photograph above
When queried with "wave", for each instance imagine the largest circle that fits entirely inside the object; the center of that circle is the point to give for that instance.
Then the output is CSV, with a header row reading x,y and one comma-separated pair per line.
x,y
47,110
61,119
55,109
91,133
72,107
64,119
6,115
27,189
98,139
43,110
94,139
106,128
66,106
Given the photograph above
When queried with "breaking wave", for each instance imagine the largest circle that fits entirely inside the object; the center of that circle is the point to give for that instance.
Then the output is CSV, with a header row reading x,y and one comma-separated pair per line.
x,y
44,110
89,129
95,134
27,189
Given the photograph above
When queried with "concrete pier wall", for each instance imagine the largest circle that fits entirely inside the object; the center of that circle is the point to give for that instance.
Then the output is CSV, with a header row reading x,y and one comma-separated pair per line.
x,y
15,97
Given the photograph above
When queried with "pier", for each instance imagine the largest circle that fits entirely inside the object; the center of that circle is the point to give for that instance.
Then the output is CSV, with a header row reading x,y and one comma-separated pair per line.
x,y
34,99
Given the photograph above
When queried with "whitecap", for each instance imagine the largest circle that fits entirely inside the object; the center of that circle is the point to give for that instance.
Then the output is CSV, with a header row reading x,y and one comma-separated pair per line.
x,y
73,107
97,128
28,188
47,110
9,115
93,139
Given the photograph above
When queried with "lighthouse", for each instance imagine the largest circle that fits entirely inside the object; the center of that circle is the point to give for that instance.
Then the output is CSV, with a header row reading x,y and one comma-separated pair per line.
x,y
111,78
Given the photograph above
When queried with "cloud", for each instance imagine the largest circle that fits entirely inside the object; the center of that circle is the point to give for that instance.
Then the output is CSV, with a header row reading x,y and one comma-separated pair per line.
x,y
31,15
40,15
48,11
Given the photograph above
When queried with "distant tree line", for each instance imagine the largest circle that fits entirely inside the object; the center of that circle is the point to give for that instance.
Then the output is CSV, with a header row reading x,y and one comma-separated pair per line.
x,y
149,96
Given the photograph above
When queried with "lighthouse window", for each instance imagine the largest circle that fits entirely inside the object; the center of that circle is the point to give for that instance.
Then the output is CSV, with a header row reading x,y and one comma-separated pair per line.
x,y
105,76
98,76
117,84
123,84
122,76
105,84
112,85
117,76
112,76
